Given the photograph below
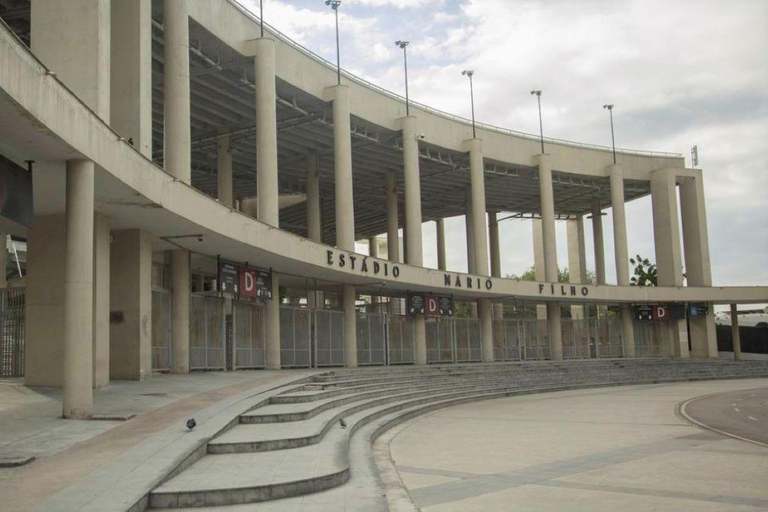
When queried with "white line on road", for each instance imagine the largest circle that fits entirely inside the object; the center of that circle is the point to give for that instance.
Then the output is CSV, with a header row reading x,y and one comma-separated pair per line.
x,y
735,409
752,418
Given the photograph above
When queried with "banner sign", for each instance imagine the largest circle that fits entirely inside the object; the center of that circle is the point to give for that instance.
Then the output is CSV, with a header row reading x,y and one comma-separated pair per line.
x,y
228,278
660,313
643,313
676,311
445,305
263,284
416,304
698,309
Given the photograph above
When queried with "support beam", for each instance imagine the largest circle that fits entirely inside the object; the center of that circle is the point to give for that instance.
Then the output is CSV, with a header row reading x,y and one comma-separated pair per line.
x,y
393,236
266,133
101,300
697,263
576,262
178,154
350,326
550,252
495,247
77,395
273,326
440,229
131,68
342,144
599,242
225,187
621,251
180,291
314,217
735,333
538,262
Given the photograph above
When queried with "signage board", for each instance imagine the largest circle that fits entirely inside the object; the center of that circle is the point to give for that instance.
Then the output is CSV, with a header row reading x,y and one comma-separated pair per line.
x,y
432,305
676,311
660,313
263,284
228,278
698,309
416,304
643,313
445,305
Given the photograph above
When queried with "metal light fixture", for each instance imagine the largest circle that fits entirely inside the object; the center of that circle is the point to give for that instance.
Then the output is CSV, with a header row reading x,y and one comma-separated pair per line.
x,y
469,73
613,139
335,6
261,16
537,93
403,45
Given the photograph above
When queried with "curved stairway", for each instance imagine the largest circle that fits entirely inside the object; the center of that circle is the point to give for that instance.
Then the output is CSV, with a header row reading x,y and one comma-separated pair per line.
x,y
293,444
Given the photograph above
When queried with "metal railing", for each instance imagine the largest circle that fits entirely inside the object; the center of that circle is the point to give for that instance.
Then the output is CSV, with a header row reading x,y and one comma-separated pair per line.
x,y
162,354
12,313
529,136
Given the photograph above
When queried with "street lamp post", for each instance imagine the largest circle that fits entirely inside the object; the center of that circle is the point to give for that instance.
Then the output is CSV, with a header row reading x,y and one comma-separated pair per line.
x,y
335,6
261,16
403,44
469,73
541,125
613,139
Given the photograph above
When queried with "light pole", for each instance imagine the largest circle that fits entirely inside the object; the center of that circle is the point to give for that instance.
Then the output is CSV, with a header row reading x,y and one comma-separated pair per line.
x,y
335,6
403,44
541,125
469,73
613,139
261,16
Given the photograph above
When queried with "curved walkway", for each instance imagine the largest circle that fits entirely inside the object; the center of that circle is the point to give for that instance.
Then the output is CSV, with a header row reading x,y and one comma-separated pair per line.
x,y
742,414
623,448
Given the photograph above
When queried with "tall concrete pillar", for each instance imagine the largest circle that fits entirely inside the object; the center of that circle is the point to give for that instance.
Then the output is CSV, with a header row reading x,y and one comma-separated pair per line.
x,y
621,251
73,39
666,235
440,229
314,219
599,242
697,263
393,236
350,327
225,184
130,333
495,246
101,300
131,67
266,132
181,289
735,333
480,240
272,326
577,267
178,152
469,230
342,145
550,252
3,259
538,262
77,393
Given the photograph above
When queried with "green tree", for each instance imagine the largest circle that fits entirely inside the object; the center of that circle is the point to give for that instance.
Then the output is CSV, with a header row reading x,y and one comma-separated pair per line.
x,y
644,273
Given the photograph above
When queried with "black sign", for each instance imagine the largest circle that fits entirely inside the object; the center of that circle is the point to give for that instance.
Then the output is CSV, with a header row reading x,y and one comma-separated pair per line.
x,y
228,278
699,309
644,313
416,304
445,305
676,311
264,285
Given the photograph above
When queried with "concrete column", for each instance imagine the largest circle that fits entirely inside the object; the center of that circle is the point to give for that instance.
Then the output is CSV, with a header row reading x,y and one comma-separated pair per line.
x,y
225,185
599,243
101,301
77,393
495,246
131,67
73,39
266,132
130,333
178,153
440,229
272,322
621,251
538,262
470,235
350,326
576,261
735,333
412,191
697,263
342,146
393,238
3,259
550,252
666,235
314,218
181,289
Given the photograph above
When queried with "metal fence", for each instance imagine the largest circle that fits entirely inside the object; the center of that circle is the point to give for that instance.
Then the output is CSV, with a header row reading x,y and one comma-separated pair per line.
x,y
248,334
371,339
295,330
648,339
329,337
441,337
400,339
12,315
507,340
207,335
468,340
162,355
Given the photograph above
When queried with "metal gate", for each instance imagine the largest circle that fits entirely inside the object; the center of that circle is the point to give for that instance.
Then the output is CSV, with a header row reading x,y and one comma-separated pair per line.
x,y
207,347
647,339
371,339
536,339
440,333
576,338
329,337
507,340
295,332
12,315
400,338
249,334
612,345
468,340
162,355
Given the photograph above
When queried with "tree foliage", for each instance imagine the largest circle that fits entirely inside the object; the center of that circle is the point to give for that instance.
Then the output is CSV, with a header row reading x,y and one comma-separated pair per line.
x,y
644,273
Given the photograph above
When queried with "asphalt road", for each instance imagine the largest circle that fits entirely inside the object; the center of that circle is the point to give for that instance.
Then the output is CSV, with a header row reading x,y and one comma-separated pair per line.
x,y
742,413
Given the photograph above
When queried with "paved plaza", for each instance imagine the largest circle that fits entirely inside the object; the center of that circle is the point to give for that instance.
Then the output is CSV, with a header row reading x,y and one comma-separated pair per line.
x,y
623,448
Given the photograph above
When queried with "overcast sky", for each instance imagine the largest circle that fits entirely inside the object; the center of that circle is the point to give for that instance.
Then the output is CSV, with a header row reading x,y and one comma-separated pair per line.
x,y
679,73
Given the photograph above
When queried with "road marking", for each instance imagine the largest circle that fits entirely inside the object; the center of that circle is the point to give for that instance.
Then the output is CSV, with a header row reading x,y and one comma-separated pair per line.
x,y
735,409
752,418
